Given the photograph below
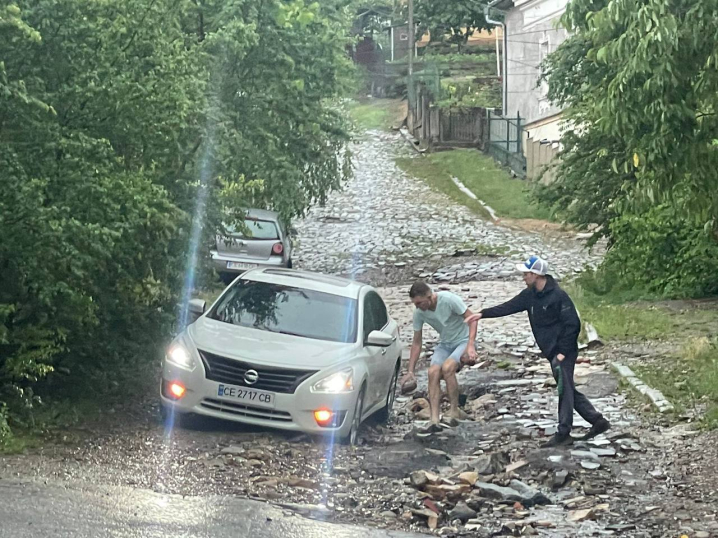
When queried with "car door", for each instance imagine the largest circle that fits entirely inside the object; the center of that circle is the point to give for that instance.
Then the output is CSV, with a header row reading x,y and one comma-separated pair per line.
x,y
385,356
389,326
374,355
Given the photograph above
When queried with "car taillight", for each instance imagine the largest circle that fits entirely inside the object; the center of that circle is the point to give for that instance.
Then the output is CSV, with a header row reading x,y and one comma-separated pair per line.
x,y
278,248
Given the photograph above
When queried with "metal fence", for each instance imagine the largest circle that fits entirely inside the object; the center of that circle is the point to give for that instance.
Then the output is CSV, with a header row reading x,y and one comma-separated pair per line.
x,y
504,145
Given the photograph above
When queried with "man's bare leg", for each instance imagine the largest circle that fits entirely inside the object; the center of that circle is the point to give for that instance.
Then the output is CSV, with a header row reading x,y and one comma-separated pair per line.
x,y
448,372
435,392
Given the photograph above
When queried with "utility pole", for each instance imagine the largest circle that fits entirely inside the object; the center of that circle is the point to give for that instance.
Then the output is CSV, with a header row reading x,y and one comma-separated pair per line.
x,y
411,38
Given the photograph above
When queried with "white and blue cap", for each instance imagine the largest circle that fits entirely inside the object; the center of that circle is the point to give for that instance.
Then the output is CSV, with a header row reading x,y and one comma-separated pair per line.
x,y
534,265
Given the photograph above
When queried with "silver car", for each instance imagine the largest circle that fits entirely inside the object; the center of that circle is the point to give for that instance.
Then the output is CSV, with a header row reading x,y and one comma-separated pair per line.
x,y
287,349
265,243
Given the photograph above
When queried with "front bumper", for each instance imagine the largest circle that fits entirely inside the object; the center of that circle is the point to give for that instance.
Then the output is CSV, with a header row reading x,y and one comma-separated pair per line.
x,y
294,412
219,261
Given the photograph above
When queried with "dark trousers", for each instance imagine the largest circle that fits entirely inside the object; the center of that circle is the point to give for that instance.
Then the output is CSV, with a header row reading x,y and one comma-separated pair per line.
x,y
568,397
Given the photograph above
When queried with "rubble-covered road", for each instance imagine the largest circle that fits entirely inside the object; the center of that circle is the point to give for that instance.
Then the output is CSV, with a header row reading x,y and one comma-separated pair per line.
x,y
484,477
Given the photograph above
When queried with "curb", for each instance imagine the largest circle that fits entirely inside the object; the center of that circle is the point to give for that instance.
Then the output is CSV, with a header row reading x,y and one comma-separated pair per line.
x,y
463,188
659,401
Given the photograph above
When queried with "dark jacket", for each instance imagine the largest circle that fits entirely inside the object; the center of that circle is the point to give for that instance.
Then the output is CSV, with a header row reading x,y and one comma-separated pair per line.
x,y
553,317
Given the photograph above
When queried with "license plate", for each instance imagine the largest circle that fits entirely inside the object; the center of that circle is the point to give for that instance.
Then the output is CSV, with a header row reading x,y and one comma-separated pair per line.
x,y
240,265
258,398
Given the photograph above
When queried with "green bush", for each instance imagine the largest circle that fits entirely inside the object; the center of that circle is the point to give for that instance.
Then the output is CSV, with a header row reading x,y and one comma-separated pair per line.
x,y
468,93
662,252
118,121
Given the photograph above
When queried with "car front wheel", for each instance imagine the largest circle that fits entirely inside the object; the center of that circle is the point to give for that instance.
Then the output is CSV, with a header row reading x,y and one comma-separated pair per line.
x,y
352,437
385,412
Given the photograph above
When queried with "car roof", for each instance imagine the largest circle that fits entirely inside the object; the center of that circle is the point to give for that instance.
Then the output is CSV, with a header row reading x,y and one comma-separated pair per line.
x,y
309,280
262,214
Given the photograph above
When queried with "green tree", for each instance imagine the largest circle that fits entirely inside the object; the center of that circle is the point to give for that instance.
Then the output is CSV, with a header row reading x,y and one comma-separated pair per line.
x,y
639,85
120,123
454,21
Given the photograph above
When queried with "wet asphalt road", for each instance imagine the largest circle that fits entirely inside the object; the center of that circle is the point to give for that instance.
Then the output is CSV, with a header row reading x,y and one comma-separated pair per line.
x,y
39,509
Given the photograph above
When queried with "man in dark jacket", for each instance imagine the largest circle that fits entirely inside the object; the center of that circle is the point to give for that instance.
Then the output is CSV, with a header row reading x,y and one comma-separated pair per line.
x,y
555,324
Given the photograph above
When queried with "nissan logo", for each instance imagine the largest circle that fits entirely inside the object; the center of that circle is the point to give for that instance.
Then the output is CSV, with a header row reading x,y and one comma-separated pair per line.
x,y
251,377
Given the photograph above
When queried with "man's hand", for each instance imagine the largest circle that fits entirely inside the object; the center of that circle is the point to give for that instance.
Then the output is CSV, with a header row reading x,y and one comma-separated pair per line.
x,y
560,357
409,376
472,318
469,357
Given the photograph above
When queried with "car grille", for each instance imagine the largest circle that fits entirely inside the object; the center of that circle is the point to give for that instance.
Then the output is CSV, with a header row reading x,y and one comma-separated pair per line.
x,y
231,371
245,410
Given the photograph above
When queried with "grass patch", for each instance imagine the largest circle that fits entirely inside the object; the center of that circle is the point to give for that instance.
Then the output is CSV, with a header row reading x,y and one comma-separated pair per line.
x,y
621,315
509,197
379,114
689,381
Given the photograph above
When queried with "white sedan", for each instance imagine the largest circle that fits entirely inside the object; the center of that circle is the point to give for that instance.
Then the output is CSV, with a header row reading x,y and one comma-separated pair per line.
x,y
287,349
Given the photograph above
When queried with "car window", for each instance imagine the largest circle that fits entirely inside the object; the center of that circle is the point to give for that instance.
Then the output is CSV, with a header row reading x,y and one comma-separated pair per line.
x,y
256,229
288,310
380,315
375,316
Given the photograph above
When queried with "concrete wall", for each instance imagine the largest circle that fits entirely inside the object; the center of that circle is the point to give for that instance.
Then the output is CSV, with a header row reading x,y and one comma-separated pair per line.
x,y
532,34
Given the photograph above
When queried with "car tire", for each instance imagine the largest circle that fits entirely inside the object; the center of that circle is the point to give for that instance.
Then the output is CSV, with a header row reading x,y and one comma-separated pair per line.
x,y
352,438
384,413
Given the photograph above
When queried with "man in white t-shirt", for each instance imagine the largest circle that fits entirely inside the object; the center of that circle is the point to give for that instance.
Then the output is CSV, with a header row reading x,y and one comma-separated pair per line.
x,y
446,313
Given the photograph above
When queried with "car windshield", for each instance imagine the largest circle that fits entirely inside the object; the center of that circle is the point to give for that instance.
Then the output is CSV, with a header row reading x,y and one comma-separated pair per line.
x,y
256,229
288,310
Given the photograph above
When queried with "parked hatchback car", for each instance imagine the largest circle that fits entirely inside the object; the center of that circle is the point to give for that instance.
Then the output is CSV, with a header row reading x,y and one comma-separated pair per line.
x,y
265,241
287,349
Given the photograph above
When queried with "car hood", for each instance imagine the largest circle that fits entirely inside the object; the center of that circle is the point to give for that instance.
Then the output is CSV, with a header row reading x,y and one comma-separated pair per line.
x,y
266,348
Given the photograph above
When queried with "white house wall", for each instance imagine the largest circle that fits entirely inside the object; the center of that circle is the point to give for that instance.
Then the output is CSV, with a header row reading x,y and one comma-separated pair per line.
x,y
532,29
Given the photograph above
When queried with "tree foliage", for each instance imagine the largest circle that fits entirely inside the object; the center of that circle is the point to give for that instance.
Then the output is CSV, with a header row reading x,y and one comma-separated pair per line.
x,y
114,118
639,84
455,21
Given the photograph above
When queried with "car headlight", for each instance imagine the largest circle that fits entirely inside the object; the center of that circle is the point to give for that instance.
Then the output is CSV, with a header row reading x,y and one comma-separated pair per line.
x,y
180,356
336,383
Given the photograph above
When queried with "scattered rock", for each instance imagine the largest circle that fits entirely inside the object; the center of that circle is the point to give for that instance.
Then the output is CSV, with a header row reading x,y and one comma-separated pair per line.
x,y
577,516
530,496
233,450
469,477
559,479
418,479
462,511
492,491
490,464
516,466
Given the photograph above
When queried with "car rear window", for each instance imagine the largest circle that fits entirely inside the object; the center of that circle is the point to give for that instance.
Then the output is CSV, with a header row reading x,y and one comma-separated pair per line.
x,y
256,229
288,310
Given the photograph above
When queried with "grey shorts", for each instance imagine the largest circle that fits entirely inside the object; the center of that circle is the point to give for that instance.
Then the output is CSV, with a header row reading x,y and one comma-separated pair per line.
x,y
442,352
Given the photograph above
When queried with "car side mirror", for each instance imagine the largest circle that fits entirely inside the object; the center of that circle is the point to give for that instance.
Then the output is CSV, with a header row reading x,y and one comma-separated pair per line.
x,y
196,307
379,339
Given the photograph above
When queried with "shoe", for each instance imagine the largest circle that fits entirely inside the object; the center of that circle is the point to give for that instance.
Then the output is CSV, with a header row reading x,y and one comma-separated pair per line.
x,y
600,426
558,440
433,427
